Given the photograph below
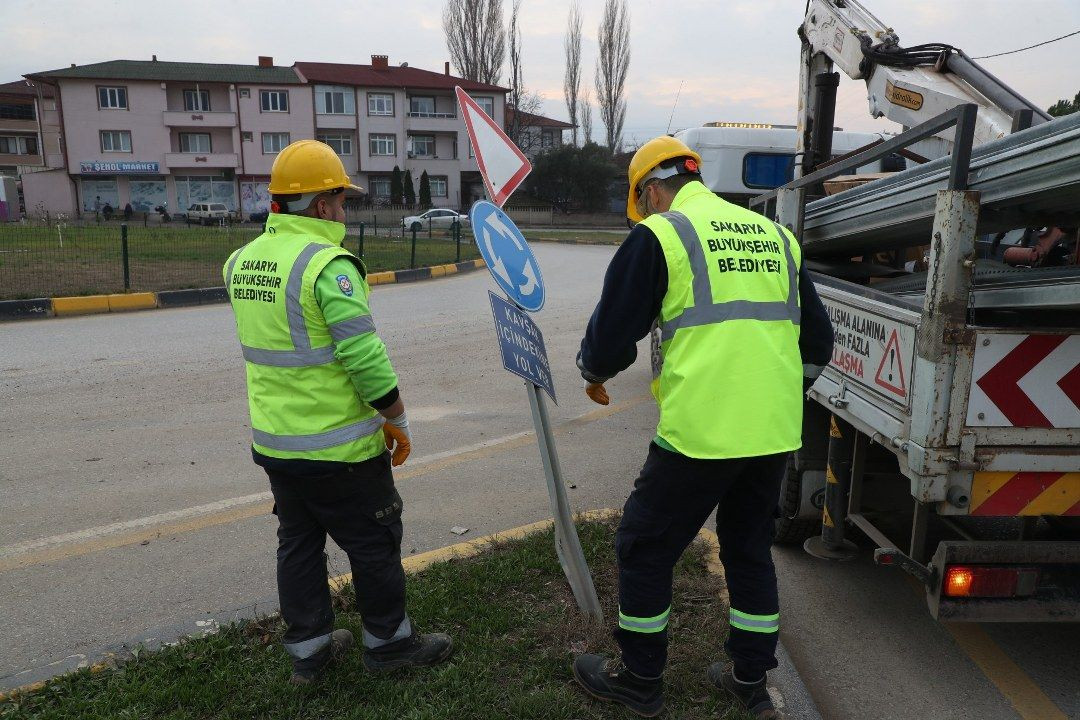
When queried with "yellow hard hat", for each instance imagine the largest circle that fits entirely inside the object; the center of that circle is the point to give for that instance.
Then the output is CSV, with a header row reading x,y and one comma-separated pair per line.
x,y
647,158
308,166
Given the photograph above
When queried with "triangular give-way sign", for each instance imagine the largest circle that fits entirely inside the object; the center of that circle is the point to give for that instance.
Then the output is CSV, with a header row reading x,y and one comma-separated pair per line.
x,y
502,165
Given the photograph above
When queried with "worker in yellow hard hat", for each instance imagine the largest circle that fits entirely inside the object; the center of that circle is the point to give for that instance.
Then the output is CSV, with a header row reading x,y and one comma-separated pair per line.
x,y
327,419
738,335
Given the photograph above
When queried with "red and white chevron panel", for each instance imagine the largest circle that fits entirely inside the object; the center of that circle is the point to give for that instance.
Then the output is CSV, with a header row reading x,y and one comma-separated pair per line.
x,y
1025,381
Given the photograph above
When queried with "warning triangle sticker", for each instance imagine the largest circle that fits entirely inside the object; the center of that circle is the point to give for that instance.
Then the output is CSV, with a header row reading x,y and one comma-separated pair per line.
x,y
502,164
890,373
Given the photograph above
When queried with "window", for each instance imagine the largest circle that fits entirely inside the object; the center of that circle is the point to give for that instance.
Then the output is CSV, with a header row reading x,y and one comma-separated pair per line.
x,y
112,98
421,106
195,143
341,142
274,142
197,100
115,141
767,170
422,146
199,189
487,104
334,100
380,104
15,111
547,139
382,144
438,185
245,92
247,136
380,186
274,101
18,145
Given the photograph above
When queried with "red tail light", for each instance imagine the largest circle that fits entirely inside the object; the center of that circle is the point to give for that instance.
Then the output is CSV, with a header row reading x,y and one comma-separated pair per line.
x,y
986,581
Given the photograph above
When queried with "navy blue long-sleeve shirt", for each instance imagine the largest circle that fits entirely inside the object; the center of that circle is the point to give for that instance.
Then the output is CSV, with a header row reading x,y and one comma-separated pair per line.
x,y
634,287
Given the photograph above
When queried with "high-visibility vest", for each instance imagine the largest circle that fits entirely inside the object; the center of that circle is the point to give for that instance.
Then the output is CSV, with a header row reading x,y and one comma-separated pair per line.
x,y
302,402
729,381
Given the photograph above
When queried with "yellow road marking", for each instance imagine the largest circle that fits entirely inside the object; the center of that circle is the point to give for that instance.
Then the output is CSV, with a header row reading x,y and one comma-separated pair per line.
x,y
132,301
212,519
1027,698
80,305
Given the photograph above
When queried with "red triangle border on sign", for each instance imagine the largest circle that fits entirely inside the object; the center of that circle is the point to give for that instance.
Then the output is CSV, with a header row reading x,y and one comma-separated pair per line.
x,y
894,342
500,195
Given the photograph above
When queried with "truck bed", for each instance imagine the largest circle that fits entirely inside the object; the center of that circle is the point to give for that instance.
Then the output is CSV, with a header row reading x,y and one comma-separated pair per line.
x,y
1028,178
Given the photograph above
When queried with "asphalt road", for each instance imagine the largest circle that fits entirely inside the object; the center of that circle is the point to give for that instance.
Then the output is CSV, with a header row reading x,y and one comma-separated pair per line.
x,y
129,502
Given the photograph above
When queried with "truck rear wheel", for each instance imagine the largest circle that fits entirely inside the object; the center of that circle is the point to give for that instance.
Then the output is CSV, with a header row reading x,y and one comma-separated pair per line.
x,y
789,528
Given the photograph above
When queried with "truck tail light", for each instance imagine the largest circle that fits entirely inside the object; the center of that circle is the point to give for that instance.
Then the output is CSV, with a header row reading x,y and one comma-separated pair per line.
x,y
988,581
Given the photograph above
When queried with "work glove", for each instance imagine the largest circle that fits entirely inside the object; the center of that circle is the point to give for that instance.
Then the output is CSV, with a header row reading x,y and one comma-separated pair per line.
x,y
597,393
398,439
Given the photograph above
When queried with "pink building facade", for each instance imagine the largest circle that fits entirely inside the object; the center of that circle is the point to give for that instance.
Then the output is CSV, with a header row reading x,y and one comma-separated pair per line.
x,y
171,134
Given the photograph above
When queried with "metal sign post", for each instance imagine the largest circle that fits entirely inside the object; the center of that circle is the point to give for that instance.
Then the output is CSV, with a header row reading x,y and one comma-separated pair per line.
x,y
523,353
567,544
514,269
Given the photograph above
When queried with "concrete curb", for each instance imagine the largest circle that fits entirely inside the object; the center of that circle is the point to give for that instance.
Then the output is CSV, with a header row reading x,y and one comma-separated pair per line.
x,y
786,687
123,302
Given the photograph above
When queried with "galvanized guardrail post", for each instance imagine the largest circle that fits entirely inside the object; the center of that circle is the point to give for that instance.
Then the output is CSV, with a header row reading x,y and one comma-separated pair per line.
x,y
412,255
124,256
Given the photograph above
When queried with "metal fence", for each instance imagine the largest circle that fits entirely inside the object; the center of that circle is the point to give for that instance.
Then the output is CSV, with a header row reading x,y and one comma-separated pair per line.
x,y
61,259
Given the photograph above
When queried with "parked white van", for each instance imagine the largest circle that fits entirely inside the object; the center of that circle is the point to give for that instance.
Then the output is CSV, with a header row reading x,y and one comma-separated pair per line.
x,y
207,213
742,160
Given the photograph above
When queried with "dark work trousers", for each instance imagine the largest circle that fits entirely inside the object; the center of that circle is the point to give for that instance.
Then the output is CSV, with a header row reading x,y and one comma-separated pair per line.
x,y
359,507
672,499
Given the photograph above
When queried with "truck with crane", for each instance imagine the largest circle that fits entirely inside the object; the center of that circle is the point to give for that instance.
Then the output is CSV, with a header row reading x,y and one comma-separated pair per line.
x,y
947,426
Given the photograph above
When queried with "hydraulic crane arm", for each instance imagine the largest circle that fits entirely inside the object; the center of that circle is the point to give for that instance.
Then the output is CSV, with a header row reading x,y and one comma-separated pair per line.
x,y
907,85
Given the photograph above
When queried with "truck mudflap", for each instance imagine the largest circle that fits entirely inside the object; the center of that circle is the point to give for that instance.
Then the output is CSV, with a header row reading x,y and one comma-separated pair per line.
x,y
1005,581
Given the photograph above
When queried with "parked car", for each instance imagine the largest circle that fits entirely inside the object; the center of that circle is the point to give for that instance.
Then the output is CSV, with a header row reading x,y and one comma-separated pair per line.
x,y
207,213
440,218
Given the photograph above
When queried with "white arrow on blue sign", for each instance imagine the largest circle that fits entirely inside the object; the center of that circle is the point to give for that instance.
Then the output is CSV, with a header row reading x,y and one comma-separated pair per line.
x,y
508,256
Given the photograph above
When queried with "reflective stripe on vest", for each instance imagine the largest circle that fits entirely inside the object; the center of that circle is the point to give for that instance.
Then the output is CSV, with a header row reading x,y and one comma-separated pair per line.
x,y
321,440
352,327
707,312
297,325
289,358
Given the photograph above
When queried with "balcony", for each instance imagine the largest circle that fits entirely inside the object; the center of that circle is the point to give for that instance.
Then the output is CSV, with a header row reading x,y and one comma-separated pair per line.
x,y
201,160
176,118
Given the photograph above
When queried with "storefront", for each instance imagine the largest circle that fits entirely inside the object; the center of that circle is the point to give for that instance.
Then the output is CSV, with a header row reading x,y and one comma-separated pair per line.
x,y
115,184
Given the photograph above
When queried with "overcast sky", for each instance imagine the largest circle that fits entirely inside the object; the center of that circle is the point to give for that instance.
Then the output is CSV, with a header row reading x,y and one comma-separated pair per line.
x,y
736,59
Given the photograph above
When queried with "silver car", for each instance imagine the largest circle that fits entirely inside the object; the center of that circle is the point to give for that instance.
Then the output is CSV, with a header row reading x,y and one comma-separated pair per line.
x,y
440,218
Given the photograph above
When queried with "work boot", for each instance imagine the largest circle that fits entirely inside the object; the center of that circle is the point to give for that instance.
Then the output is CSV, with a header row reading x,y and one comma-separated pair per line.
x,y
414,651
341,642
611,680
752,697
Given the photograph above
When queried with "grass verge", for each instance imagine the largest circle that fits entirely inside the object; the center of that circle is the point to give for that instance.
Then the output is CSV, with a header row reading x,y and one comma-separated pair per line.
x,y
511,614
37,261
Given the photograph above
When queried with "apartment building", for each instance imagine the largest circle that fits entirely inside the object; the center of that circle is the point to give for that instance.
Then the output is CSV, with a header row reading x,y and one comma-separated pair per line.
x,y
156,133
537,133
381,116
29,129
